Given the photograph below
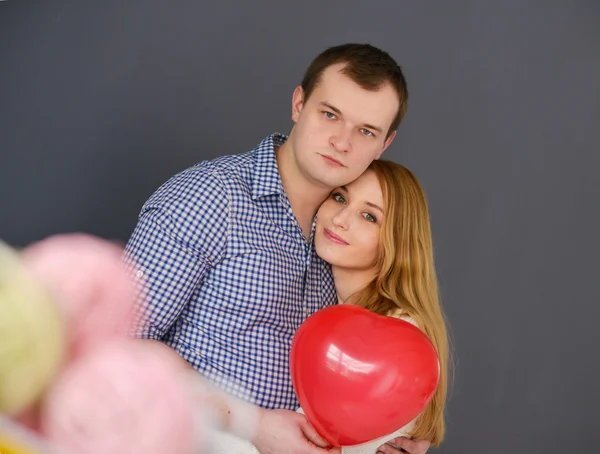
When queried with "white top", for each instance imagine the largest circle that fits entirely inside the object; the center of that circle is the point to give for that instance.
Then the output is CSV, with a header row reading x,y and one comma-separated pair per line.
x,y
225,443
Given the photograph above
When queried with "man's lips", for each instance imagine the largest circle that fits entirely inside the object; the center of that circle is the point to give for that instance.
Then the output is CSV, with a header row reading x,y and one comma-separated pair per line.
x,y
332,160
335,238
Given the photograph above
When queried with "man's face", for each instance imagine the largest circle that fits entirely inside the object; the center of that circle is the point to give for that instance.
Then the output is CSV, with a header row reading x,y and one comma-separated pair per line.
x,y
341,128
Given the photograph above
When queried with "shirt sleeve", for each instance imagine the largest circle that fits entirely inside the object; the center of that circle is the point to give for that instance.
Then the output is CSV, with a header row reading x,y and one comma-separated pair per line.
x,y
180,234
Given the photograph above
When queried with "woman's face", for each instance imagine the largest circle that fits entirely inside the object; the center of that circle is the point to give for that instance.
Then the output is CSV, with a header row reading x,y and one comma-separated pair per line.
x,y
349,223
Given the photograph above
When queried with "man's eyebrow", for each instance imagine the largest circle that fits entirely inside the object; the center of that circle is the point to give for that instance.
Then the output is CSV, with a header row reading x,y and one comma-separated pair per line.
x,y
329,106
339,112
375,128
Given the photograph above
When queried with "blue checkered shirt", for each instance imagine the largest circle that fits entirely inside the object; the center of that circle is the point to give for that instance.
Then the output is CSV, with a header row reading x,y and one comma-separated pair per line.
x,y
228,273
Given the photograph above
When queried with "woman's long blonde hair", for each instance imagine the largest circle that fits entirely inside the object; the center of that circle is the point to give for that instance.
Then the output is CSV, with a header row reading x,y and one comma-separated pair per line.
x,y
407,279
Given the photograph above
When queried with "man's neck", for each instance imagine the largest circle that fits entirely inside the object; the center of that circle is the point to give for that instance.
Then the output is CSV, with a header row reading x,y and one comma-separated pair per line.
x,y
349,281
305,196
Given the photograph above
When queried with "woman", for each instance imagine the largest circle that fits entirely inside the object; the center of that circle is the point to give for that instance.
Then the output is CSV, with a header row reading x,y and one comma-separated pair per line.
x,y
375,233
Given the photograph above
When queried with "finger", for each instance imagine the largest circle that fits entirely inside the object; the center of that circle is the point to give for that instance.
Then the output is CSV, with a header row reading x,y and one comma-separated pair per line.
x,y
387,449
313,436
412,446
391,447
312,449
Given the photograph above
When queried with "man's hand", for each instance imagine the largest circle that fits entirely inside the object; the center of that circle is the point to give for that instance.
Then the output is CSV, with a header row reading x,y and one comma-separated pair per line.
x,y
288,432
403,444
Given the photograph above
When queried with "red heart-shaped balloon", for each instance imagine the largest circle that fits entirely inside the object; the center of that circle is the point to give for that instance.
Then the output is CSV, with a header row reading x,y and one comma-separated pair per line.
x,y
359,375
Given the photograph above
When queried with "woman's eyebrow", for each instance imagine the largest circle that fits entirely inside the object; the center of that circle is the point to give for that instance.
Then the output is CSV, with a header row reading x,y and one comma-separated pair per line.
x,y
374,206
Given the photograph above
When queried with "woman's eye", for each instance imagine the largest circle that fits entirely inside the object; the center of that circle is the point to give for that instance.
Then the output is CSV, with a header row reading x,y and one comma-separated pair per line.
x,y
369,217
338,198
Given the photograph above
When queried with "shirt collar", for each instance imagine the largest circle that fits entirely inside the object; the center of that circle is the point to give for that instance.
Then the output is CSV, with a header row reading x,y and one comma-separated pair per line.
x,y
266,179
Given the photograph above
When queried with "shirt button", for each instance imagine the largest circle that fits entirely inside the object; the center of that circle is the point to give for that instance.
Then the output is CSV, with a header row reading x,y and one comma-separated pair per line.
x,y
140,273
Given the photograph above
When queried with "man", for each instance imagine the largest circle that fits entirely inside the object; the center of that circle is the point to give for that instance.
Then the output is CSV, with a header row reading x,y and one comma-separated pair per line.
x,y
225,247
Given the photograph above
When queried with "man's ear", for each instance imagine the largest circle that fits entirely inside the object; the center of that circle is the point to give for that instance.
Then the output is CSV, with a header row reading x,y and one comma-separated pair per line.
x,y
297,103
386,144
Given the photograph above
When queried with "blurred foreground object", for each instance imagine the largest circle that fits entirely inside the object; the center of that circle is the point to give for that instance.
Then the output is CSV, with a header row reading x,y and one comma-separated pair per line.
x,y
32,336
121,398
87,279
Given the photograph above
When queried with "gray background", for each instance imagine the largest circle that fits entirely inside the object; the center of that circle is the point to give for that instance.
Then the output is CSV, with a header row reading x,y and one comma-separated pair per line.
x,y
101,101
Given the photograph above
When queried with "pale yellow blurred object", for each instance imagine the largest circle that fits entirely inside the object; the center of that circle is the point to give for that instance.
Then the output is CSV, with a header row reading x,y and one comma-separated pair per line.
x,y
32,337
8,445
15,439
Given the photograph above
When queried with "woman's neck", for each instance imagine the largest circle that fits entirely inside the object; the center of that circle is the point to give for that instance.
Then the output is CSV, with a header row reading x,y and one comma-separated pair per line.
x,y
349,281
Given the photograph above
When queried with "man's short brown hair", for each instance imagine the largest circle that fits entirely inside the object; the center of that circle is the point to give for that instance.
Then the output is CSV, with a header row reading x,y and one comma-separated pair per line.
x,y
367,66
